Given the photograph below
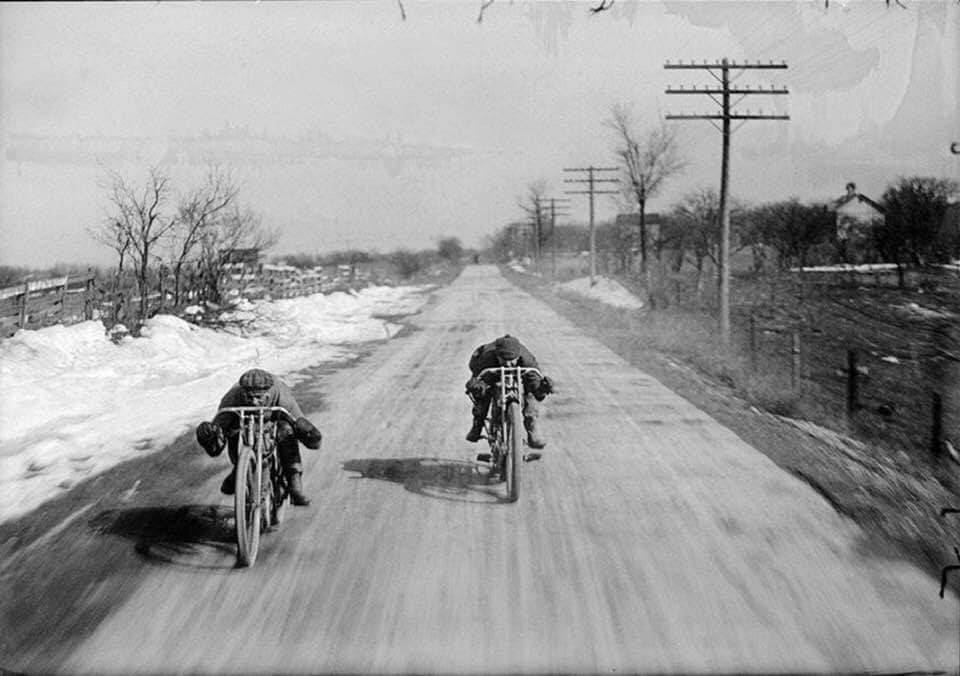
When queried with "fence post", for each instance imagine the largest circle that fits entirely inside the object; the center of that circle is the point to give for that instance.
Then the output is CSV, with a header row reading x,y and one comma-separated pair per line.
x,y
88,298
852,386
795,371
753,342
936,431
24,297
63,298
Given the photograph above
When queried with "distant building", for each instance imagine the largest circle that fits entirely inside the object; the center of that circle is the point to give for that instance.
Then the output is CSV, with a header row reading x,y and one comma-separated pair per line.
x,y
651,222
857,216
245,257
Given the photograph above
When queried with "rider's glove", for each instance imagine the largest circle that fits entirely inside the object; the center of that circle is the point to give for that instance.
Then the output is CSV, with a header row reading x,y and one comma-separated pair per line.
x,y
210,437
476,388
545,388
307,433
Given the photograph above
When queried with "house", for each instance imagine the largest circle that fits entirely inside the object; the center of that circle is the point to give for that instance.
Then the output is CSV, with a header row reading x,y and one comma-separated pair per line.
x,y
631,221
856,216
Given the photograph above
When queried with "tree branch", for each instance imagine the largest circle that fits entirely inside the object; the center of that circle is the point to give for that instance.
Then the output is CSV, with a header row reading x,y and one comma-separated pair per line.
x,y
603,6
483,6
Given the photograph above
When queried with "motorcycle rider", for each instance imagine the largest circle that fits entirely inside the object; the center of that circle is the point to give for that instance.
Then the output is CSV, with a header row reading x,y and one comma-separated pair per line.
x,y
506,351
257,387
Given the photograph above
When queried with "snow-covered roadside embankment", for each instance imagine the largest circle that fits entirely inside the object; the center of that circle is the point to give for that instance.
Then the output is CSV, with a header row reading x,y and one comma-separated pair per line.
x,y
74,404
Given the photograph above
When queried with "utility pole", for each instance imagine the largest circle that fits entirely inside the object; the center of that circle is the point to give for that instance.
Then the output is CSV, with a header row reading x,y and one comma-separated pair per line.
x,y
591,180
535,226
553,231
726,116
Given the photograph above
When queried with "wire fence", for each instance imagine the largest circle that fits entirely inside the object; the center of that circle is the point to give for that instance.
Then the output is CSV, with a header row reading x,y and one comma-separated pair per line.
x,y
873,349
862,348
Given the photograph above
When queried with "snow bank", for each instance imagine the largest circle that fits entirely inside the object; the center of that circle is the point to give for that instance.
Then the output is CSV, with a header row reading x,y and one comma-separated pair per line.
x,y
605,290
73,403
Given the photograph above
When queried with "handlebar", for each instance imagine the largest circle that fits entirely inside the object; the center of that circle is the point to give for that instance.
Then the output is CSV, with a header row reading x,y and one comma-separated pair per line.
x,y
240,410
500,369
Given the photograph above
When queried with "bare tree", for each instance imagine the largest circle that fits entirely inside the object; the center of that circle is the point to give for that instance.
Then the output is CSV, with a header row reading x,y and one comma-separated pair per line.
x,y
233,229
534,205
698,214
111,234
648,161
197,213
138,222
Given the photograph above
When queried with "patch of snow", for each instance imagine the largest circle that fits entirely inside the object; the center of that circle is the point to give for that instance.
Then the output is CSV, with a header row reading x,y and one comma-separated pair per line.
x,y
915,309
605,290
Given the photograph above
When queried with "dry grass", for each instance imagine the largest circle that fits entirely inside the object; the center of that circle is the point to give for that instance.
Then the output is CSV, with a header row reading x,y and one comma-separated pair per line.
x,y
869,468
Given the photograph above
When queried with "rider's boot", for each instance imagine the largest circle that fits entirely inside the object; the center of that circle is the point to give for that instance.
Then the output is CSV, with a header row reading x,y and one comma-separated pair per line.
x,y
229,483
295,482
534,440
476,432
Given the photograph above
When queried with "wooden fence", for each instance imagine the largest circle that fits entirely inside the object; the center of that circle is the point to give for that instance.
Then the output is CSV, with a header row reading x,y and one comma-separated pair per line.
x,y
39,303
68,300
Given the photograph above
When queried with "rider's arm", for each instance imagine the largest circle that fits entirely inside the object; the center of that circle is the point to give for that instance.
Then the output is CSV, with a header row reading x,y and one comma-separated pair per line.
x,y
527,359
475,364
287,400
226,419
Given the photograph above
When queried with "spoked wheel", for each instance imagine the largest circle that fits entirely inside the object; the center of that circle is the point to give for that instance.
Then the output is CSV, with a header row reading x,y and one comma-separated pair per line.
x,y
514,452
246,502
279,501
267,510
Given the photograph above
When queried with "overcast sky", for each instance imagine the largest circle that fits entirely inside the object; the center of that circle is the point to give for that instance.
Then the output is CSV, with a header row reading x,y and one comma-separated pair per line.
x,y
348,126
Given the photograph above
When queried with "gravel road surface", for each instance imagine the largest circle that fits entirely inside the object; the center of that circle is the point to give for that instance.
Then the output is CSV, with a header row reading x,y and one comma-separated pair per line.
x,y
648,538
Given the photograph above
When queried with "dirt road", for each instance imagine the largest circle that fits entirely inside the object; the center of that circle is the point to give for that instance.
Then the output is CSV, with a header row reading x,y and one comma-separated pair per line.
x,y
648,538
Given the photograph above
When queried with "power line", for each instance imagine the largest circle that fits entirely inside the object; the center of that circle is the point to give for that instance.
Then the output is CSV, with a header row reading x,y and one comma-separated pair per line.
x,y
564,201
726,115
591,180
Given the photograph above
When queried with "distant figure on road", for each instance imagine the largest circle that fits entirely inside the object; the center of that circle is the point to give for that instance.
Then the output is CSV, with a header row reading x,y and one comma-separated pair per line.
x,y
506,351
257,387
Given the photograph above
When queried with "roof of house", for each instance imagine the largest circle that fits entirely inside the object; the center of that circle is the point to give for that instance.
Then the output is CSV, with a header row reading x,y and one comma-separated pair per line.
x,y
852,194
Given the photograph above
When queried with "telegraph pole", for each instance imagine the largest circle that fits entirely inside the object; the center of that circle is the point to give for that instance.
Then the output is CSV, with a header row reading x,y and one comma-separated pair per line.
x,y
535,223
726,116
591,180
553,231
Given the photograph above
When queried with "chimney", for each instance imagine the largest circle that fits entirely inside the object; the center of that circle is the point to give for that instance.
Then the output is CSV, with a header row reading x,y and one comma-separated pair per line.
x,y
851,189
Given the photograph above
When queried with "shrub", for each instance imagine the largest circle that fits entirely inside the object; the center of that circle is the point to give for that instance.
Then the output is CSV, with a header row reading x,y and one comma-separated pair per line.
x,y
408,263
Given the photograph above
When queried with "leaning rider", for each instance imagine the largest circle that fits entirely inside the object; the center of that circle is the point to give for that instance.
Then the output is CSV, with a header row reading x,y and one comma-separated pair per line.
x,y
257,387
506,351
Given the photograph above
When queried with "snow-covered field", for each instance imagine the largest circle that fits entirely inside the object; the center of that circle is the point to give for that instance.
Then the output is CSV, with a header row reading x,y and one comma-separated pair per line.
x,y
73,403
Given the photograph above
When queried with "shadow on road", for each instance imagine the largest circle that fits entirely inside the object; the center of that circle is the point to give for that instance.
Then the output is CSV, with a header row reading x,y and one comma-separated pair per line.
x,y
440,478
197,536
